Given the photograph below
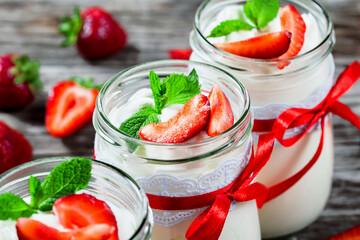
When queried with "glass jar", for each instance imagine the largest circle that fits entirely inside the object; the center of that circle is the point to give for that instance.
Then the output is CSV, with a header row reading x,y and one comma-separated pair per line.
x,y
183,169
303,83
107,183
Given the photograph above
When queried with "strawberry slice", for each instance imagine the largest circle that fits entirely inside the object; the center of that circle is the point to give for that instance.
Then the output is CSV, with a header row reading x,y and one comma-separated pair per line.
x,y
180,53
81,210
264,46
99,231
351,234
292,21
190,120
221,116
70,106
30,229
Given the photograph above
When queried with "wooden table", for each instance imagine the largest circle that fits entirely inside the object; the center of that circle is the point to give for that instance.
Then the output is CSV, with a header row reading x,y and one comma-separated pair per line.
x,y
30,26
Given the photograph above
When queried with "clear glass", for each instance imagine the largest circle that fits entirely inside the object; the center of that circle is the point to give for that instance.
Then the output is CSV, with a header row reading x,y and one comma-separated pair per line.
x,y
183,169
303,83
107,183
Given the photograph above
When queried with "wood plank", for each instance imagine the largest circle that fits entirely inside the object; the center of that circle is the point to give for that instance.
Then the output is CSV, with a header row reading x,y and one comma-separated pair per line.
x,y
30,26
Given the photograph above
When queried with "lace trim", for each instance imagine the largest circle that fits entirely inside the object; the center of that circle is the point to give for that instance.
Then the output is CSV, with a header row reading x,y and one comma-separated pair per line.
x,y
223,175
168,185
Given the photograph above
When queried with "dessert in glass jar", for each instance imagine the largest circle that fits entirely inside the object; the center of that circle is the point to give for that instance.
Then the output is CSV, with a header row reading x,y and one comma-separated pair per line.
x,y
66,198
284,61
185,160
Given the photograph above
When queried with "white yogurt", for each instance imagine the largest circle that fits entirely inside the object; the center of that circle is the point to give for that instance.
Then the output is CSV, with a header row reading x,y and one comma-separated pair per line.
x,y
125,221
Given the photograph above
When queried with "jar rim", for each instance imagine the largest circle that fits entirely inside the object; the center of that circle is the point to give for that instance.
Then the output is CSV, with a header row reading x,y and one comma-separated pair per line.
x,y
228,55
123,174
100,108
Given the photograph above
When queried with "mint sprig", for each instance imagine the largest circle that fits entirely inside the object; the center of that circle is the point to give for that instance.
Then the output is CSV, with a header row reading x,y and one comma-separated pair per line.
x,y
173,89
257,12
66,178
261,12
180,89
13,207
140,119
229,26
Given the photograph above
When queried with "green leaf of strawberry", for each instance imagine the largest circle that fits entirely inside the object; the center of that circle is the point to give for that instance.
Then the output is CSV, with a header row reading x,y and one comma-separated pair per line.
x,y
70,27
27,71
86,82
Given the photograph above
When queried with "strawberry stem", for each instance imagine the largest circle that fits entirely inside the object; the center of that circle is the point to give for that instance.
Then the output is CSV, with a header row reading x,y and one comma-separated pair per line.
x,y
70,27
27,71
86,82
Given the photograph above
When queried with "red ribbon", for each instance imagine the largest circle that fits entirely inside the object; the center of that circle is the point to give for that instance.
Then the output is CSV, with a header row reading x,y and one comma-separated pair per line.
x,y
209,224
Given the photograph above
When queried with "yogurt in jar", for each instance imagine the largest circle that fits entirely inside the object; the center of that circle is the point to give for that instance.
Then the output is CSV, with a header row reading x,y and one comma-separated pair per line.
x,y
303,83
236,226
125,198
200,165
125,221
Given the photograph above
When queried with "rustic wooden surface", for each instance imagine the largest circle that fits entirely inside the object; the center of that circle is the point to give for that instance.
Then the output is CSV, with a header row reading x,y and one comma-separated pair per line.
x,y
30,26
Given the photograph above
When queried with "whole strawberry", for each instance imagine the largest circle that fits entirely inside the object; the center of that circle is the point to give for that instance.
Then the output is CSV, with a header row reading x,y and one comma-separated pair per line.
x,y
14,148
19,81
70,106
95,32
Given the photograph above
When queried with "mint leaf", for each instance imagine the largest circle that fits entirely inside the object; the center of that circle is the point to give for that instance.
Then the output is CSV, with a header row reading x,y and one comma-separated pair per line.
x,y
174,89
180,89
229,26
140,119
261,12
13,207
66,178
35,191
158,90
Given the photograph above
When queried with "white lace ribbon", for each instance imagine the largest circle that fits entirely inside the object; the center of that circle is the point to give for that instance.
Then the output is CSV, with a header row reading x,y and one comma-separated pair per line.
x,y
168,185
